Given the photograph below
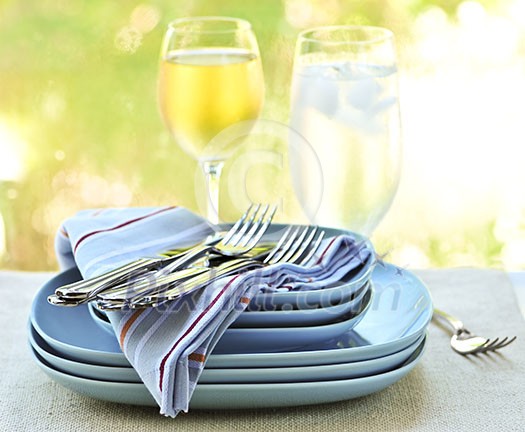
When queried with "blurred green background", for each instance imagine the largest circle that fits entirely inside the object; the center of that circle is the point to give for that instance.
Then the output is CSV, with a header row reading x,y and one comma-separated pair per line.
x,y
80,128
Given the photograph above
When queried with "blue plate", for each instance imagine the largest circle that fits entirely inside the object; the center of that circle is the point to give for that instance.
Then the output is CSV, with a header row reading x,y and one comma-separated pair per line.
x,y
231,375
276,339
302,317
85,370
71,331
399,315
239,396
46,320
270,318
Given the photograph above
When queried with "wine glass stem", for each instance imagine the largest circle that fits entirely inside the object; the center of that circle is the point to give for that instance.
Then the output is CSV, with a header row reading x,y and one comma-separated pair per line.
x,y
212,173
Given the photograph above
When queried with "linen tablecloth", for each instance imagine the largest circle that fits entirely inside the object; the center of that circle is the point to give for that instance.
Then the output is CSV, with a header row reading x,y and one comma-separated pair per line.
x,y
444,392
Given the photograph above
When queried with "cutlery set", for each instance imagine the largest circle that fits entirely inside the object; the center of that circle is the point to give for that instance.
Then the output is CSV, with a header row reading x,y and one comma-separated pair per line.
x,y
151,282
241,238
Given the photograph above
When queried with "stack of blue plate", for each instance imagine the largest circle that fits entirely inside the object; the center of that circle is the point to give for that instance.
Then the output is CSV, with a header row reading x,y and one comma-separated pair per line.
x,y
269,358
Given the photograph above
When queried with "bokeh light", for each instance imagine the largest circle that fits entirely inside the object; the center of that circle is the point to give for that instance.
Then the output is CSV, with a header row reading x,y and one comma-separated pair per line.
x,y
79,125
12,149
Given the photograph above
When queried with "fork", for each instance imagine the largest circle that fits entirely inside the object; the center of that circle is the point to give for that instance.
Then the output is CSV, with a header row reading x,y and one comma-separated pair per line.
x,y
464,342
296,246
241,237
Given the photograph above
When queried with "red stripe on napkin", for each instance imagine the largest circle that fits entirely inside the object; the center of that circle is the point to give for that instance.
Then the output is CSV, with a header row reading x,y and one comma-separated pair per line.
x,y
128,324
324,252
123,224
190,328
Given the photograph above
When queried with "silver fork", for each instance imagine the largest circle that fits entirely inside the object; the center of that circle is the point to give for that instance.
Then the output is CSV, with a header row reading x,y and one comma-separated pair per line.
x,y
297,245
464,342
241,237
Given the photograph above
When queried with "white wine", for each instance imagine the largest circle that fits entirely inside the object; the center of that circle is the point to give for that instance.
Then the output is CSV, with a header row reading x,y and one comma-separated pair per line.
x,y
203,91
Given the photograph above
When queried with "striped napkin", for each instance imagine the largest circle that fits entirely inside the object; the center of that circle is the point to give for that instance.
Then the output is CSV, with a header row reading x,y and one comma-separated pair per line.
x,y
168,346
100,240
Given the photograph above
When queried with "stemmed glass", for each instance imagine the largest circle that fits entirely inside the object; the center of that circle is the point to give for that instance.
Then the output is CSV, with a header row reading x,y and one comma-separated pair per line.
x,y
345,104
210,78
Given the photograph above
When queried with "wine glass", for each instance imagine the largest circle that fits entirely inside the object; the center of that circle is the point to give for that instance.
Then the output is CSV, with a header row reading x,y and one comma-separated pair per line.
x,y
345,104
210,79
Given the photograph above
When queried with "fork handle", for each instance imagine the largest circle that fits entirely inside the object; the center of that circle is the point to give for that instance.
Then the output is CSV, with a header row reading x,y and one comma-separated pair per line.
x,y
206,278
453,322
81,289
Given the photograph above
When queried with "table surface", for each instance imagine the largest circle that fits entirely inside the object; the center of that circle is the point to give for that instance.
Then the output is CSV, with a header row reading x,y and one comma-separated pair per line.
x,y
518,283
444,392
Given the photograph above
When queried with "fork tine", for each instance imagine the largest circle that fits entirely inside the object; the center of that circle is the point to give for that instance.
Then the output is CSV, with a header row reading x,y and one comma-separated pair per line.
x,y
305,245
265,222
237,224
314,248
237,236
284,248
297,244
487,346
279,244
257,223
501,344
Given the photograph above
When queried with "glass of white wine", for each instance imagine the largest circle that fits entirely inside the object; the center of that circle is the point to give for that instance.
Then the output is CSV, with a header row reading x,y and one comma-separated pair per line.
x,y
210,79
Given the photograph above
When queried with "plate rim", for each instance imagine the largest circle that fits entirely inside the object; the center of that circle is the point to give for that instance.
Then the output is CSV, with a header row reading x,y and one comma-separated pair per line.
x,y
202,391
56,361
